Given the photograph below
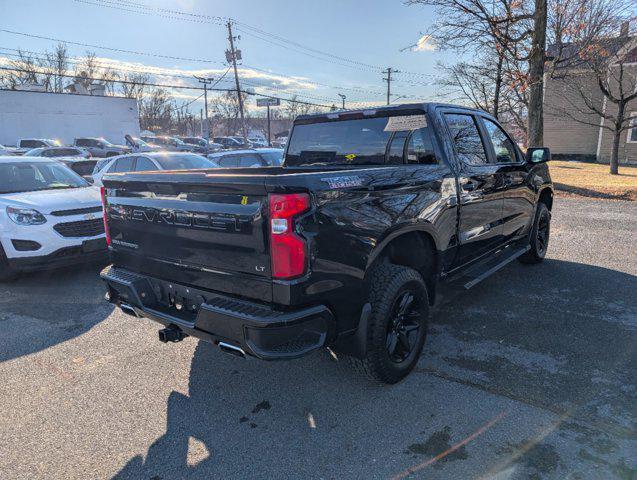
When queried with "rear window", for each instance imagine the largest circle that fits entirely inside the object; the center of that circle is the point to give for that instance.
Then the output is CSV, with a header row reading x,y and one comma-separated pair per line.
x,y
183,162
62,152
349,142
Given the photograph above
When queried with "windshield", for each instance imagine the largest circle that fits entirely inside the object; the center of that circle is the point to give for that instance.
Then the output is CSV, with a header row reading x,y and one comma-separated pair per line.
x,y
106,142
347,142
140,142
183,162
29,177
273,159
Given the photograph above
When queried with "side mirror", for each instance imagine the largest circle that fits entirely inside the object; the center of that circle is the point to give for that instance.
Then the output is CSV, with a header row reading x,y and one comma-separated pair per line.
x,y
538,154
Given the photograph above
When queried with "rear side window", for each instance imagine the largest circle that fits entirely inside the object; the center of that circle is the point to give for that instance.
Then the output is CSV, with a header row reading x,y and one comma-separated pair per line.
x,y
466,137
420,148
81,142
397,148
143,164
122,165
31,144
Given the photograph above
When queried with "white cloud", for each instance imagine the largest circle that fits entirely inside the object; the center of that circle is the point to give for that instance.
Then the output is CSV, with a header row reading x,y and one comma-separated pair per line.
x,y
424,44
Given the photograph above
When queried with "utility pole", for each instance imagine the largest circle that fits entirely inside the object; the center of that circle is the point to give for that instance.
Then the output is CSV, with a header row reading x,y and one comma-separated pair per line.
x,y
269,131
343,97
232,56
201,121
205,82
388,80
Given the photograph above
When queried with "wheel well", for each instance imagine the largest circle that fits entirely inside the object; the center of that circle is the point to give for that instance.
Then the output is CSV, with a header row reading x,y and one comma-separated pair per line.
x,y
415,250
546,197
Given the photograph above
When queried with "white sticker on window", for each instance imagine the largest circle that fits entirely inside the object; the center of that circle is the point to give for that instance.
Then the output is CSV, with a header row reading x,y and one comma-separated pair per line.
x,y
406,122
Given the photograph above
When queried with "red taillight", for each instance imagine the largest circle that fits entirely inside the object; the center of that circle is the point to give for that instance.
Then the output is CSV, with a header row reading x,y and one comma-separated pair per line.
x,y
104,210
288,250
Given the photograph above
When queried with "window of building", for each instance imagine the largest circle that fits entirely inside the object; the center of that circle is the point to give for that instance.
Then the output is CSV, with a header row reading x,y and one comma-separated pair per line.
x,y
632,131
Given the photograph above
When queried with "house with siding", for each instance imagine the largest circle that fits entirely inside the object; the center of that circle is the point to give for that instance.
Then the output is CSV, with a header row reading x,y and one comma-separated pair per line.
x,y
572,96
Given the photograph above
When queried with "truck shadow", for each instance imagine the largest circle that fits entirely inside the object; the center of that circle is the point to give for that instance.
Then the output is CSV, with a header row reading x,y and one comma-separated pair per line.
x,y
538,336
42,309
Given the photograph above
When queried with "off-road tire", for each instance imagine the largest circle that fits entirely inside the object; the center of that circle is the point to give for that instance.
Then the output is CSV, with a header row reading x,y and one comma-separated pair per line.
x,y
387,283
539,246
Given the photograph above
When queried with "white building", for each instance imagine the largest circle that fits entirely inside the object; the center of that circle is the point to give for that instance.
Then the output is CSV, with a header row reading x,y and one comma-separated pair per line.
x,y
63,116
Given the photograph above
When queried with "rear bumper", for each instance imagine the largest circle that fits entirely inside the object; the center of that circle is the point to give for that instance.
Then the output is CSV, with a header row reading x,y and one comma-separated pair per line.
x,y
259,330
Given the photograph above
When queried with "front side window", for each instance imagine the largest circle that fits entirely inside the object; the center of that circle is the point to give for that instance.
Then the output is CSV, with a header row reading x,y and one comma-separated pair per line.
x,y
502,144
228,161
80,142
249,160
273,159
466,138
30,144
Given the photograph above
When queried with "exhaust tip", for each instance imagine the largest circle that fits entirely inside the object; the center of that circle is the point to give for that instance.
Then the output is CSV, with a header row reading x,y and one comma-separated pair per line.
x,y
232,350
127,309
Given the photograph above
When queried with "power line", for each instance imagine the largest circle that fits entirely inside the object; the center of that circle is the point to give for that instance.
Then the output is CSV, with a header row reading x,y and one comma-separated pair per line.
x,y
278,40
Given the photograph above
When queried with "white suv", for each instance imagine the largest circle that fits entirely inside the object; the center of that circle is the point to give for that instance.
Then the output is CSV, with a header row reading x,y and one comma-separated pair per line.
x,y
49,216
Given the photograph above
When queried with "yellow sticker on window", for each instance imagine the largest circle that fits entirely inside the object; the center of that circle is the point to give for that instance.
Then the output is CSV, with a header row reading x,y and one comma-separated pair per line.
x,y
350,156
244,200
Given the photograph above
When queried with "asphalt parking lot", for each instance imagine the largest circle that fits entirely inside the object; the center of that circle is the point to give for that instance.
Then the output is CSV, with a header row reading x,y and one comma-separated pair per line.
x,y
531,374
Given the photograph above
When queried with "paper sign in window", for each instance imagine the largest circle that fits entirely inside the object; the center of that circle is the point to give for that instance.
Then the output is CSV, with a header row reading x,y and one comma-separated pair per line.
x,y
406,122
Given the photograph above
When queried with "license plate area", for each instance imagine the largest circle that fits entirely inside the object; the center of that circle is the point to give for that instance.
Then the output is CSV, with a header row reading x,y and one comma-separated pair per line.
x,y
95,245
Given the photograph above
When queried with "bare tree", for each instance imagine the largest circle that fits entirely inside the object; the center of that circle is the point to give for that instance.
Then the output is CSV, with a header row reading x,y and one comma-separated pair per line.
x,y
57,64
225,108
156,112
25,70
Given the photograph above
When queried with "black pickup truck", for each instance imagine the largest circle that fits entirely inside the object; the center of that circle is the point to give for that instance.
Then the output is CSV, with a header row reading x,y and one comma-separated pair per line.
x,y
373,216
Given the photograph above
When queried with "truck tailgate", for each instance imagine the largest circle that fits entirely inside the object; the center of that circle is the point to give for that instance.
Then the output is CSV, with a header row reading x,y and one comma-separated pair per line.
x,y
208,231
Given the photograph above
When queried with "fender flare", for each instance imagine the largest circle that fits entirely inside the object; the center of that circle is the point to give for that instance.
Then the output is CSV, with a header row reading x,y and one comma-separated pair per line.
x,y
398,231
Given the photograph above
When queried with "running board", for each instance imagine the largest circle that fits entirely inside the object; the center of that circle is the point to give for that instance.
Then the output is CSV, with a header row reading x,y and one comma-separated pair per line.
x,y
488,268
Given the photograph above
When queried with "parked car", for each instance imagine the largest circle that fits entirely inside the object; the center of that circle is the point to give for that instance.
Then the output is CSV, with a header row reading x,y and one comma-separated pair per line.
x,y
54,152
49,216
200,145
229,143
261,157
169,144
4,151
146,162
77,159
280,142
99,147
371,219
245,143
26,144
258,142
138,145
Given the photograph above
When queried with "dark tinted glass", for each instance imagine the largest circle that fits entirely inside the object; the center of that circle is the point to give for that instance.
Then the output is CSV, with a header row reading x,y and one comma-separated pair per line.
x,y
30,144
273,159
466,138
502,144
397,148
344,142
420,148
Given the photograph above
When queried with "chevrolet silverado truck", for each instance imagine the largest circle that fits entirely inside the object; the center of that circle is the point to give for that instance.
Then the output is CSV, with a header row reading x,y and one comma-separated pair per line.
x,y
373,216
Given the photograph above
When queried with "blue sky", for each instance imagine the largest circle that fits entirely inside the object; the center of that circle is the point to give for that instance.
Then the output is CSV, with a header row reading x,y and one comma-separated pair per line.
x,y
371,32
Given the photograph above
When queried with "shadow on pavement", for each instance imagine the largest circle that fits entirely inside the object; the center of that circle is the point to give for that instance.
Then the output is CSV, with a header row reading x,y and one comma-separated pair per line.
x,y
42,309
552,336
